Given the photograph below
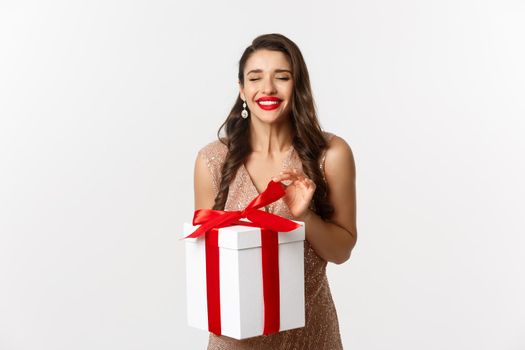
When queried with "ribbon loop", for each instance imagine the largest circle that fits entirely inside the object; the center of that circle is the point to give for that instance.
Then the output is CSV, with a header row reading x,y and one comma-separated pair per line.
x,y
209,218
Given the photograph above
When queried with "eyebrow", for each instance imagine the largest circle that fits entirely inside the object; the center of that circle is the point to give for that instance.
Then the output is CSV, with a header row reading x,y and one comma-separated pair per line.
x,y
276,71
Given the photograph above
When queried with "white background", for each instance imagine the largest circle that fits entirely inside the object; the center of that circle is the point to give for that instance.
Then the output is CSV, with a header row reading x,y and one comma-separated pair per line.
x,y
104,104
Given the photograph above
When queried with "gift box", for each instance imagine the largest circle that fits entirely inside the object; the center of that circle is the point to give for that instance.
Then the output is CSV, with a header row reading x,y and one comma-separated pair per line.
x,y
241,280
245,269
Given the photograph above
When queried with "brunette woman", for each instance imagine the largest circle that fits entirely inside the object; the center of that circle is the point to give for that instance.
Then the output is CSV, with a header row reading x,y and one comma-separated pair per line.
x,y
272,133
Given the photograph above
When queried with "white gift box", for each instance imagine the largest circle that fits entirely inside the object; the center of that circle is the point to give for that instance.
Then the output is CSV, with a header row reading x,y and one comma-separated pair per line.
x,y
241,283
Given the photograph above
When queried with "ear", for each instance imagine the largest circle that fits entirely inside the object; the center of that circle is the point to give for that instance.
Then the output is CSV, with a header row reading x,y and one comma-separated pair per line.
x,y
241,91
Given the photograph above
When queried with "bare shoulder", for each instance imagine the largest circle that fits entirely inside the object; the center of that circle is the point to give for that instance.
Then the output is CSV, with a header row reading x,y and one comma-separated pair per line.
x,y
340,178
339,159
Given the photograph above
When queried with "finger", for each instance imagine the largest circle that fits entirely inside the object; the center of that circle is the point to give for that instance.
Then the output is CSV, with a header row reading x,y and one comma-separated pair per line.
x,y
291,171
305,183
285,180
282,177
286,172
308,184
295,171
290,174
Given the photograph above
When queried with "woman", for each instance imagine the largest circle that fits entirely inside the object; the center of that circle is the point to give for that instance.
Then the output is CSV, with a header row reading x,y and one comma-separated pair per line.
x,y
272,133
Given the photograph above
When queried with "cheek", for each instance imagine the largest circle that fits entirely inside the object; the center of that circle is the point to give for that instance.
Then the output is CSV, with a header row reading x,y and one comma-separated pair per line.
x,y
250,91
288,90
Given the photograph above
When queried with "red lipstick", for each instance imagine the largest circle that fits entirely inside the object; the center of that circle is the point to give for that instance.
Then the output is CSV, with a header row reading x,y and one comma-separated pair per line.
x,y
268,103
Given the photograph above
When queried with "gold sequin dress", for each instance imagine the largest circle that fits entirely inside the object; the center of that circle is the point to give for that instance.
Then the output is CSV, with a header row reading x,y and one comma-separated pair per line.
x,y
321,331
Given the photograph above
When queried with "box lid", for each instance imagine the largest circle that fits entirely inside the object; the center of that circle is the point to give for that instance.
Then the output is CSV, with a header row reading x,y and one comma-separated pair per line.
x,y
244,237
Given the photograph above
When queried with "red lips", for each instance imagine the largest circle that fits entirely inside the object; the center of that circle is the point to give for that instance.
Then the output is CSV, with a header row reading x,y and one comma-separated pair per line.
x,y
274,102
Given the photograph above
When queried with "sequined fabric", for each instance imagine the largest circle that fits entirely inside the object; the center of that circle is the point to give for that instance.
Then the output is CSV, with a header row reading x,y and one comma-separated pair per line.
x,y
321,331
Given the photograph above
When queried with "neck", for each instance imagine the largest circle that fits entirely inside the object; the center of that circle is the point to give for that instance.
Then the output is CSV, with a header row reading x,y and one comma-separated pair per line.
x,y
271,139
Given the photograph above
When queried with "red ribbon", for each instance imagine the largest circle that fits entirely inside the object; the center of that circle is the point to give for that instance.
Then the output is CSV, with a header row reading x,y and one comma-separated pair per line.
x,y
211,220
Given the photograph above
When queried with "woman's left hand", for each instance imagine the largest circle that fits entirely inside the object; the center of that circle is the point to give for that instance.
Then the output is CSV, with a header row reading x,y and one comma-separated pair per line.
x,y
299,192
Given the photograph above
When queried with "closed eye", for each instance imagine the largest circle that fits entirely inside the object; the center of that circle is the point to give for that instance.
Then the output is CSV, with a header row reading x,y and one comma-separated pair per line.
x,y
254,79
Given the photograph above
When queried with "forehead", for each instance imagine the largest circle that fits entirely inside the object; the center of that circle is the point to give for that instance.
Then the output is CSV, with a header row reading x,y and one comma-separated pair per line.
x,y
267,60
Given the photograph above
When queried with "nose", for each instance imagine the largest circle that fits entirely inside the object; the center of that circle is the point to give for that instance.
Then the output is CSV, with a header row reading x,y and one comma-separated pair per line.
x,y
269,86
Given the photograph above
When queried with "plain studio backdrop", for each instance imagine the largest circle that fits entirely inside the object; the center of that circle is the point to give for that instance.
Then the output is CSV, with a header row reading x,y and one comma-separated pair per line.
x,y
104,105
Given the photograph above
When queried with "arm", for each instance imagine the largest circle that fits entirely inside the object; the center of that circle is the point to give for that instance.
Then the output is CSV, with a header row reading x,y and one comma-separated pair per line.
x,y
334,239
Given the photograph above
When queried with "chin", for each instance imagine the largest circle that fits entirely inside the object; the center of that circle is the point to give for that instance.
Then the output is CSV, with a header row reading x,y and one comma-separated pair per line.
x,y
271,118
267,120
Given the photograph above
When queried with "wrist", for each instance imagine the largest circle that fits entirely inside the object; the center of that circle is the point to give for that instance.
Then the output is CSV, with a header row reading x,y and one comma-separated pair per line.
x,y
305,215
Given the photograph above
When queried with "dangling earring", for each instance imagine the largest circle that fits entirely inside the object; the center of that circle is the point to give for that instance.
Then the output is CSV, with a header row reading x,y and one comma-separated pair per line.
x,y
244,112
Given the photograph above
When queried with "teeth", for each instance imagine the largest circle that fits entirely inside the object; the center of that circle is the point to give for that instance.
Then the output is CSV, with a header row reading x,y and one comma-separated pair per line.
x,y
266,103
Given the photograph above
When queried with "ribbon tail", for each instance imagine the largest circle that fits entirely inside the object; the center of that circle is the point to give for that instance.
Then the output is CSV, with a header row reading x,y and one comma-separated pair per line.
x,y
213,289
270,272
271,221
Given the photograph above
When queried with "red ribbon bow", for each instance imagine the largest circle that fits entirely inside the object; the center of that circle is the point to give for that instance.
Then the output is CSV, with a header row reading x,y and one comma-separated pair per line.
x,y
211,220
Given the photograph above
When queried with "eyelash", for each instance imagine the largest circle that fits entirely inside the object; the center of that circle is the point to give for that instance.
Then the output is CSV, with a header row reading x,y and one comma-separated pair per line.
x,y
277,78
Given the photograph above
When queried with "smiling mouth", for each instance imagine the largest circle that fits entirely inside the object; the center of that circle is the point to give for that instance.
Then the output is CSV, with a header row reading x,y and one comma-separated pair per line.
x,y
268,105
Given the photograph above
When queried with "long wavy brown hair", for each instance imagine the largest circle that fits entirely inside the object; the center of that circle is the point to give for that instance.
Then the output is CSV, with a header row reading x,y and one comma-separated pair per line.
x,y
308,140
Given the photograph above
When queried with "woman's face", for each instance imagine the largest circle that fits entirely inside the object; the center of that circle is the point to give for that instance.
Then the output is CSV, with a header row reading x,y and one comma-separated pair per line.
x,y
267,76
